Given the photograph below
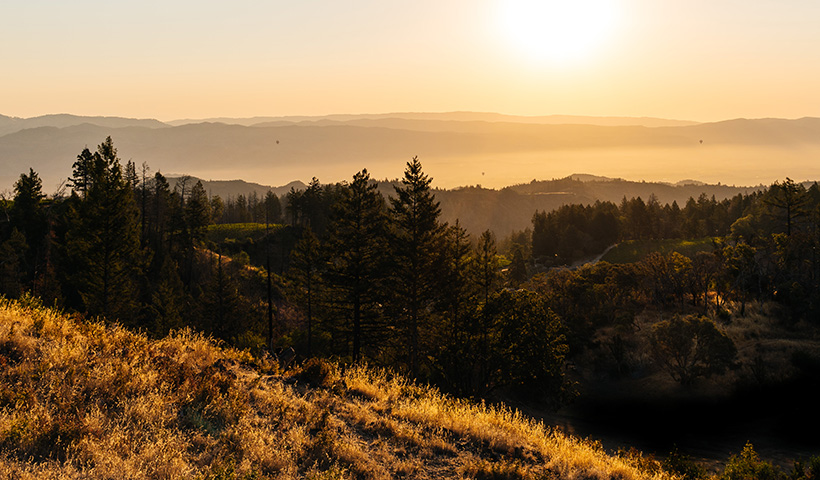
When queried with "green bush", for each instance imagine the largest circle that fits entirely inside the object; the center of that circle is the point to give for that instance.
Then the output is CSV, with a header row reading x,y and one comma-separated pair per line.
x,y
806,471
683,466
317,372
690,347
749,466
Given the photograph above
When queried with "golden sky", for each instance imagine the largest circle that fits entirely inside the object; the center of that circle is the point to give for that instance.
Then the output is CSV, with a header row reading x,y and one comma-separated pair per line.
x,y
698,60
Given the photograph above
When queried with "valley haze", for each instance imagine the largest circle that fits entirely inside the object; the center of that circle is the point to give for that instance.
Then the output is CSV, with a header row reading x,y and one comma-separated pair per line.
x,y
457,148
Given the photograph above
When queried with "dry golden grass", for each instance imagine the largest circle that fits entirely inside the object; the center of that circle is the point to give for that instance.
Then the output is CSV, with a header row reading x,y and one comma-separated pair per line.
x,y
88,400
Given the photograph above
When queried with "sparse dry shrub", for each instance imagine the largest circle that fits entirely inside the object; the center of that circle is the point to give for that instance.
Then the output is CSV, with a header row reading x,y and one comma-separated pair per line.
x,y
367,384
645,463
379,385
317,372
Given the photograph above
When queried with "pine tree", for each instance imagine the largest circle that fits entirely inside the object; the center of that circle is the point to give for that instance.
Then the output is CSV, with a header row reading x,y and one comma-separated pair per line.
x,y
103,239
143,201
294,206
29,216
217,209
314,213
197,212
456,286
81,177
788,201
488,277
131,177
486,266
417,232
306,266
456,300
159,217
518,268
273,208
221,304
167,299
243,215
12,252
357,250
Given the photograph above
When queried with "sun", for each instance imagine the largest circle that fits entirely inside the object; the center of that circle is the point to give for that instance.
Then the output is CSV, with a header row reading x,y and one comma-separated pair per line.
x,y
557,31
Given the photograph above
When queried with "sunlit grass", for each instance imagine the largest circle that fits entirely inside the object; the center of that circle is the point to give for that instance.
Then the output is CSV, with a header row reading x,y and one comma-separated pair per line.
x,y
238,231
83,399
635,250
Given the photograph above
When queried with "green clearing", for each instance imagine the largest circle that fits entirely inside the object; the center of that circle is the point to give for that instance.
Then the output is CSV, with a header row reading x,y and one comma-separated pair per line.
x,y
635,250
238,231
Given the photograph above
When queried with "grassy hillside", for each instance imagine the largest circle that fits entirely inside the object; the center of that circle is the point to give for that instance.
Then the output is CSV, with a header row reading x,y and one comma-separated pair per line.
x,y
238,231
85,399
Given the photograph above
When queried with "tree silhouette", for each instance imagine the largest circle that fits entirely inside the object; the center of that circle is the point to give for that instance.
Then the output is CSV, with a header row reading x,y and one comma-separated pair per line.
x,y
103,239
29,216
197,212
416,231
306,267
689,347
357,237
789,200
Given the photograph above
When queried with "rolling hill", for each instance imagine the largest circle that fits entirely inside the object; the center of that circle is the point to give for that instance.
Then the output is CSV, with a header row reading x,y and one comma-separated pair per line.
x,y
14,124
89,400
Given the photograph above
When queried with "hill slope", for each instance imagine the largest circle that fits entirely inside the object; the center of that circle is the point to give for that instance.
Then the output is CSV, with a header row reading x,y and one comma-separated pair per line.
x,y
86,400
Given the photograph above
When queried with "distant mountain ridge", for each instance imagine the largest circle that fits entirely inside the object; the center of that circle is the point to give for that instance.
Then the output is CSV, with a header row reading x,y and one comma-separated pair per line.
x,y
11,124
233,188
457,149
62,120
443,117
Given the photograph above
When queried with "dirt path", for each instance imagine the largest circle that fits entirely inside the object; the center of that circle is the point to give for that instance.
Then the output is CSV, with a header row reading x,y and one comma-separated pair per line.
x,y
592,260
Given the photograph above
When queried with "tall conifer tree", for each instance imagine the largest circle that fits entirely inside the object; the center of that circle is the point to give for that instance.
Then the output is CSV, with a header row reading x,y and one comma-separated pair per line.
x,y
103,238
197,212
357,245
28,214
306,272
417,232
456,300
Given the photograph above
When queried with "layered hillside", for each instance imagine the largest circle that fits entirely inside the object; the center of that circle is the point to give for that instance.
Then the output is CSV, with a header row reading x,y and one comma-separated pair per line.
x,y
456,150
82,399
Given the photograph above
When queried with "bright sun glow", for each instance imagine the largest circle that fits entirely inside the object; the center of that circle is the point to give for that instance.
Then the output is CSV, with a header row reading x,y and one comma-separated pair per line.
x,y
557,31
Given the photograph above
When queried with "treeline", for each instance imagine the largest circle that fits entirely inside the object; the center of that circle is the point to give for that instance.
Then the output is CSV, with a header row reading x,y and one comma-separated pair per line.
x,y
363,278
576,231
355,276
765,246
385,281
127,246
247,208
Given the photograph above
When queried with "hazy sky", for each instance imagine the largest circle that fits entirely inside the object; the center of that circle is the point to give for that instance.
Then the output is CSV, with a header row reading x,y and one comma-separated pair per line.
x,y
684,59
